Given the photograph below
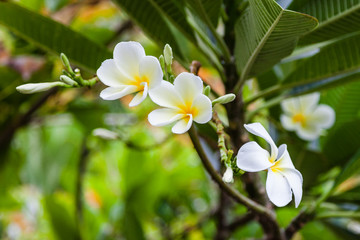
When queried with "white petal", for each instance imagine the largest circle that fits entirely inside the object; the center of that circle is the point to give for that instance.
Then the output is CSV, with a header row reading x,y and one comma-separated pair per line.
x,y
127,56
165,95
323,116
163,116
308,102
295,181
258,130
308,132
284,160
278,189
252,158
140,96
188,86
111,93
150,68
110,75
288,123
203,107
183,125
291,106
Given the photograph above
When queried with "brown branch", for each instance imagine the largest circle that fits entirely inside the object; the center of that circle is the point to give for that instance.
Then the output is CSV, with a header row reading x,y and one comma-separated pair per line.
x,y
238,197
82,164
298,222
22,120
240,221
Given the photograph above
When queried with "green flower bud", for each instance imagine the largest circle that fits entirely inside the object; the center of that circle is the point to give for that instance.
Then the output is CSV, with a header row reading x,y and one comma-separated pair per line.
x,y
207,90
168,55
68,81
66,63
224,99
162,62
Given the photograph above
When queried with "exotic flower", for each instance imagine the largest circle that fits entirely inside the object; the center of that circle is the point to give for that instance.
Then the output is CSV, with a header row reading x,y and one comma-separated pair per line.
x,y
283,179
131,71
306,117
183,103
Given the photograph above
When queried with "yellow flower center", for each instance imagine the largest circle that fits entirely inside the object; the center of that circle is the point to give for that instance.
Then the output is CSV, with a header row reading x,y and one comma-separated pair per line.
x,y
275,167
137,81
188,109
300,118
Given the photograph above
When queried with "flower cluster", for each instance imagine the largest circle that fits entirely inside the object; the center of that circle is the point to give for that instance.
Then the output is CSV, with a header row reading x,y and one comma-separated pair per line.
x,y
131,71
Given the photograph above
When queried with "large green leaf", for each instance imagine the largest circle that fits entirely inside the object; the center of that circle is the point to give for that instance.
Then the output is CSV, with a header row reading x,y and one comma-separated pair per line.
x,y
174,10
150,16
207,10
352,167
52,36
345,100
265,34
342,142
336,62
336,17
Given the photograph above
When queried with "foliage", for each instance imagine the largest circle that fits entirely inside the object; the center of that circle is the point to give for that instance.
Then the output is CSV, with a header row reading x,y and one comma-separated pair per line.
x,y
58,181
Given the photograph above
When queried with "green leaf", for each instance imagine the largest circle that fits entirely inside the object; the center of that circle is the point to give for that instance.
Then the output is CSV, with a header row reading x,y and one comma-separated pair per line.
x,y
52,36
342,142
351,168
174,10
148,14
62,222
265,34
336,18
335,63
345,100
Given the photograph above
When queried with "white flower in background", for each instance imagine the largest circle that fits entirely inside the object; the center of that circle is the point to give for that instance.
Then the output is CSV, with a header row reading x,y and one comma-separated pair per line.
x,y
131,71
283,179
183,103
306,117
228,175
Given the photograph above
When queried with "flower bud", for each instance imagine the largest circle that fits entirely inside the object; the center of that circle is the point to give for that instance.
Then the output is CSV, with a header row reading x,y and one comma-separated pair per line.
x,y
162,62
207,90
168,55
105,134
68,81
37,87
66,62
228,175
224,99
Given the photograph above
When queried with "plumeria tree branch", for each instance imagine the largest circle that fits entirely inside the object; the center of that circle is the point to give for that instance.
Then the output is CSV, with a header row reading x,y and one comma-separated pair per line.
x,y
238,197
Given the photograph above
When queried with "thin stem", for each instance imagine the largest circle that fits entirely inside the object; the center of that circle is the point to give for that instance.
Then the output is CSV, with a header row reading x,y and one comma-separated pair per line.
x,y
338,214
267,104
238,197
262,94
221,138
83,160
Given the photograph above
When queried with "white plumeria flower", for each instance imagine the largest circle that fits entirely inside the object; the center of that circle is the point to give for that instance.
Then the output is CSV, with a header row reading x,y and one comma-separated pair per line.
x,y
131,71
283,179
183,103
306,117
